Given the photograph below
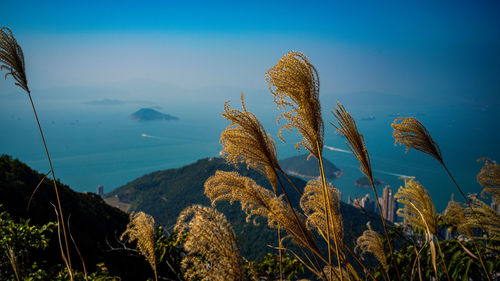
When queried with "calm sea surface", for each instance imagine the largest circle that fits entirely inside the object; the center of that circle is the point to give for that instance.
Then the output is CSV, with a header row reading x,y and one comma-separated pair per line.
x,y
97,144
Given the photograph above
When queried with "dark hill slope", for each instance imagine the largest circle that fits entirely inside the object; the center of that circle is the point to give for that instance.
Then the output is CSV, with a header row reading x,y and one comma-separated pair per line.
x,y
93,223
164,194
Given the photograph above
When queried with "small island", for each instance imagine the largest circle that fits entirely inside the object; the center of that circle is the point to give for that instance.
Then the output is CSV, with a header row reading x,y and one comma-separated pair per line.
x,y
368,118
365,182
309,169
149,114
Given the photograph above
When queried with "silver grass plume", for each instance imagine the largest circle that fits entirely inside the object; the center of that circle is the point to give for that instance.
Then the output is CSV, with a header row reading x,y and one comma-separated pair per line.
x,y
419,212
372,242
354,140
454,215
411,133
212,254
418,209
483,216
313,205
12,58
245,140
256,202
141,229
294,83
489,178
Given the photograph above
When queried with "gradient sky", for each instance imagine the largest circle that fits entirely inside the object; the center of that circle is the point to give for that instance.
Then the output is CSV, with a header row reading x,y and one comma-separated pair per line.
x,y
447,50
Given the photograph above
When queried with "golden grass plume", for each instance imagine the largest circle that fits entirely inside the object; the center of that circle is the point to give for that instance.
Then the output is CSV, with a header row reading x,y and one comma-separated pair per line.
x,y
411,133
489,178
313,204
372,242
12,58
245,140
294,83
354,140
212,254
454,215
418,209
483,216
141,229
257,202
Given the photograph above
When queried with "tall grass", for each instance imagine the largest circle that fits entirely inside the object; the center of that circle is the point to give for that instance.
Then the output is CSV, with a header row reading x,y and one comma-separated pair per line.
x,y
12,60
210,243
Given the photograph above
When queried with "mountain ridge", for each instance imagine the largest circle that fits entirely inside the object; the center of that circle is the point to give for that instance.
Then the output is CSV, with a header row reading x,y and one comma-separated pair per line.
x,y
164,194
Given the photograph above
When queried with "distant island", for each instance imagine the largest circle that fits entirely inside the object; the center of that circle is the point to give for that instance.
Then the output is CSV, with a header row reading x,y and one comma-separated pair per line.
x,y
396,114
149,114
365,182
301,167
105,102
369,118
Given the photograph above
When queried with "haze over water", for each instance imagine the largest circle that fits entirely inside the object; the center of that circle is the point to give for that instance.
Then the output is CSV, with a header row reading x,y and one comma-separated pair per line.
x,y
436,61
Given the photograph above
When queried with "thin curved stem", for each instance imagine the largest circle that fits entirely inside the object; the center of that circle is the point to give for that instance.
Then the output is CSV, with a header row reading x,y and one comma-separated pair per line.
x,y
482,228
385,230
68,258
327,215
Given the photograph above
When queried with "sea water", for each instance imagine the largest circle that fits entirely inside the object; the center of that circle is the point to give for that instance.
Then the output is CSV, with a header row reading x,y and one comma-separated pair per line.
x,y
99,144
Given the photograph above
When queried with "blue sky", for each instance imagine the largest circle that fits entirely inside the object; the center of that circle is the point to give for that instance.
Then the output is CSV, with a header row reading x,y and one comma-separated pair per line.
x,y
446,50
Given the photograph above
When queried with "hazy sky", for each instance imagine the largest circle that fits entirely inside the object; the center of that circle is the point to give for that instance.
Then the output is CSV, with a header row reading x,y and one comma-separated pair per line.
x,y
443,49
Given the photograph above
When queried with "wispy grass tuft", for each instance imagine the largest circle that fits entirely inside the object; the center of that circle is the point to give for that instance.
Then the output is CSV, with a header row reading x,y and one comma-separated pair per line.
x,y
372,242
140,229
294,83
489,178
411,133
12,60
245,140
212,254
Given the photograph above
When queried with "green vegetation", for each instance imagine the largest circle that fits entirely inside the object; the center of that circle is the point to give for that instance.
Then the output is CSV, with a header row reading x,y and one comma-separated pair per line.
x,y
311,227
164,194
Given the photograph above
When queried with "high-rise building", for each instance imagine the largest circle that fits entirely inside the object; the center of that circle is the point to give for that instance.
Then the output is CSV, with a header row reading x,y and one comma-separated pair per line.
x,y
366,203
388,204
100,190
495,205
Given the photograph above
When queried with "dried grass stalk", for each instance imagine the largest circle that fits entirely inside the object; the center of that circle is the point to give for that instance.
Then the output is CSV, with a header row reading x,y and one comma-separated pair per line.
x,y
12,58
257,202
454,215
245,140
372,242
294,83
212,254
418,209
354,140
313,204
489,178
411,133
141,229
483,216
